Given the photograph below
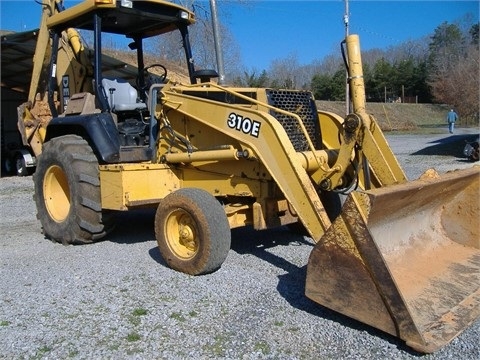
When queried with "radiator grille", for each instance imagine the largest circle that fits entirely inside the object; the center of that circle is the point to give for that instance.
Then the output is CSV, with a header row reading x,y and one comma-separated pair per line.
x,y
302,104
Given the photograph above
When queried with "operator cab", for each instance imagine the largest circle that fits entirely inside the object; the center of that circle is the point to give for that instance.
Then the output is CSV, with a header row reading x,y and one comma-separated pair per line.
x,y
124,101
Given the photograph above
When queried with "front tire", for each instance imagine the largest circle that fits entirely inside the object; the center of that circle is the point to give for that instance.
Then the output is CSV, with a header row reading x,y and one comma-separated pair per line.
x,y
67,192
192,231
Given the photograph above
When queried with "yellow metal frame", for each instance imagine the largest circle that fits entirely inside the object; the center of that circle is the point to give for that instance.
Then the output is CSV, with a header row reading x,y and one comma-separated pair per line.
x,y
124,186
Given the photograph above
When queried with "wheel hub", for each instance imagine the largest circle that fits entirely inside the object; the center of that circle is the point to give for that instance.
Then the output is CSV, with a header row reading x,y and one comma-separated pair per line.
x,y
181,234
187,237
56,193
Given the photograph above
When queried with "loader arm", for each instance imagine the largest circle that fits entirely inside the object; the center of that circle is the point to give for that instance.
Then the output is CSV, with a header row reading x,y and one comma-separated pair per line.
x,y
359,140
383,164
270,146
358,137
314,170
378,166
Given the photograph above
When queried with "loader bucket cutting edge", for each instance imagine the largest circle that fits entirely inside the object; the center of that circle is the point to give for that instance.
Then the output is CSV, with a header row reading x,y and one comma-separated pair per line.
x,y
405,259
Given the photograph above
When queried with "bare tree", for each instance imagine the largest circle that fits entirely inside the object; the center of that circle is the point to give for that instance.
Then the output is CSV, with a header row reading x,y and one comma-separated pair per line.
x,y
202,40
284,72
458,84
455,64
329,65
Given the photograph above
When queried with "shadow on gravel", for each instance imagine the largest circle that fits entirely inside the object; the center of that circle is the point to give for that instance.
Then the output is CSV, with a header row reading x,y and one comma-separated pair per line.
x,y
448,146
133,227
291,286
246,240
156,256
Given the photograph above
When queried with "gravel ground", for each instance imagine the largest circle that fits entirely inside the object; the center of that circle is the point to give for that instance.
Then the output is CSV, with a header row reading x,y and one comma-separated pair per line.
x,y
117,299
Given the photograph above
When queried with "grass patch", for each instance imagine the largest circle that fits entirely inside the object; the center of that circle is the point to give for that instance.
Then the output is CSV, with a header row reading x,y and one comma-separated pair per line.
x,y
41,352
139,312
136,314
263,347
178,316
73,353
133,336
218,346
114,347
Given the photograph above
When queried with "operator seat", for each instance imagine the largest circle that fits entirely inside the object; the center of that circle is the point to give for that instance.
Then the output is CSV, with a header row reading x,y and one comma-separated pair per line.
x,y
122,96
131,113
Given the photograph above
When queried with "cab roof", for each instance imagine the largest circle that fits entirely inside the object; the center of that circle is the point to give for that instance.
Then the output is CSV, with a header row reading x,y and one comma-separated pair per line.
x,y
143,19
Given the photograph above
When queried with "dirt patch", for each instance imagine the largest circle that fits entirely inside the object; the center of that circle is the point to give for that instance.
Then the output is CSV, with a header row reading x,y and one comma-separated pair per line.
x,y
460,217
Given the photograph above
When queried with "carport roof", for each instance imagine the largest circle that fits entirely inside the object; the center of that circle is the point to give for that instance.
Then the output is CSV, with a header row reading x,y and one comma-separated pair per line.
x,y
17,51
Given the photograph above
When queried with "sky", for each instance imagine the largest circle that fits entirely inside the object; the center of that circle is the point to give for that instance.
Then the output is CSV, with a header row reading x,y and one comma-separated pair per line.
x,y
309,30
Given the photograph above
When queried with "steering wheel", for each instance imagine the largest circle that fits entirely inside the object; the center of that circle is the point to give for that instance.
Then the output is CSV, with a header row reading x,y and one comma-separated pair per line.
x,y
149,79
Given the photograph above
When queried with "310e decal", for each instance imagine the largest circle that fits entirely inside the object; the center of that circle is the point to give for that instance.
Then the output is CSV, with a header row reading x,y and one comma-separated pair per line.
x,y
243,124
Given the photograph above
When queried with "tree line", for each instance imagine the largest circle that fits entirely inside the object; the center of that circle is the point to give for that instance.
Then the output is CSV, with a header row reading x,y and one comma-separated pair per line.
x,y
443,68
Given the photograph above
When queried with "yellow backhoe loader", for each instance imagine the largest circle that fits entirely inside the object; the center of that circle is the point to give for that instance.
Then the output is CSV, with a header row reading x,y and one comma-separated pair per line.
x,y
402,256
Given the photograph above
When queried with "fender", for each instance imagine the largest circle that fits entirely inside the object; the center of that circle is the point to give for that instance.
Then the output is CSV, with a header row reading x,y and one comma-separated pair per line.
x,y
99,129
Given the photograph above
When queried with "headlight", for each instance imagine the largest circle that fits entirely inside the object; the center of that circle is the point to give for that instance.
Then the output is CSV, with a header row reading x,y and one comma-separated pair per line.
x,y
126,3
184,15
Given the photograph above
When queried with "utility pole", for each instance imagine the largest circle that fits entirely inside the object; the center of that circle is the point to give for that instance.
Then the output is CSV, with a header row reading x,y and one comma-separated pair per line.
x,y
216,39
347,87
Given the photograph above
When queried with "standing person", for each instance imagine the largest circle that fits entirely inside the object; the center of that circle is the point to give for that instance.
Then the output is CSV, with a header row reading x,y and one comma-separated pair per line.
x,y
451,118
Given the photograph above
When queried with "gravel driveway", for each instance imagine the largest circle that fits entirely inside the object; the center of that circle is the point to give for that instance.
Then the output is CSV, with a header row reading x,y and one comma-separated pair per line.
x,y
117,299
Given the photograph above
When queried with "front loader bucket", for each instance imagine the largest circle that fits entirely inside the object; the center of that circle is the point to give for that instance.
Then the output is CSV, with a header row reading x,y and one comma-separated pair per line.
x,y
405,259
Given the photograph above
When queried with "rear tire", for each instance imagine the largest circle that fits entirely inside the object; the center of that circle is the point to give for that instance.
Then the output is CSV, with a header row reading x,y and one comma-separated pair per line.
x,y
8,165
67,192
192,231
